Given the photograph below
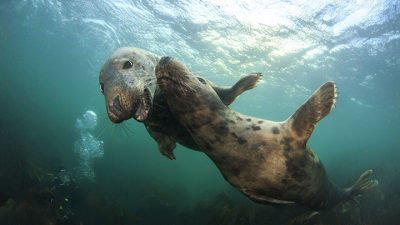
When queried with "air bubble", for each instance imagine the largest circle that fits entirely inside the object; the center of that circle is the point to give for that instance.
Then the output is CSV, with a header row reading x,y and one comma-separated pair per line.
x,y
88,147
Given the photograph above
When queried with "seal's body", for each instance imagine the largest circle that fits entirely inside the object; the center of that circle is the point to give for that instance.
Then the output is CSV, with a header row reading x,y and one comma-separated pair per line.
x,y
268,161
128,83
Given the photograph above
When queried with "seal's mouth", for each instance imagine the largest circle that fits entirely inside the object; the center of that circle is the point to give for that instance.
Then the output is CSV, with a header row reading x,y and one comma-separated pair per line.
x,y
142,108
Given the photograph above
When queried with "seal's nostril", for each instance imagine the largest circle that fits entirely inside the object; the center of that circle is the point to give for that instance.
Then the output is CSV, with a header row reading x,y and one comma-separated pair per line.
x,y
117,104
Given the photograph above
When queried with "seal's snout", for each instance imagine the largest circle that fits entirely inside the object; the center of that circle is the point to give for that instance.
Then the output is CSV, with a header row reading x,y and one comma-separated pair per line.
x,y
116,112
162,66
170,69
165,60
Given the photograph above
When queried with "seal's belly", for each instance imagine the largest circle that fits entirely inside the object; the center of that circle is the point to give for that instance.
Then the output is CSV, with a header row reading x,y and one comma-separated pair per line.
x,y
243,147
257,157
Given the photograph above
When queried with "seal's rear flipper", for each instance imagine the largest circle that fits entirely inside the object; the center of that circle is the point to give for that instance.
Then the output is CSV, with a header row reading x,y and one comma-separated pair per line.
x,y
364,184
304,120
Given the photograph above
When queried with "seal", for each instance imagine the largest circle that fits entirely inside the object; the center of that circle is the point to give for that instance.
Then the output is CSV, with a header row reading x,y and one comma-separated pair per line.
x,y
128,83
268,161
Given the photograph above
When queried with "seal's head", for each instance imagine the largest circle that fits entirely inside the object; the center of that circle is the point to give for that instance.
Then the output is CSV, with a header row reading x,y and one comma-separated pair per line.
x,y
185,92
128,83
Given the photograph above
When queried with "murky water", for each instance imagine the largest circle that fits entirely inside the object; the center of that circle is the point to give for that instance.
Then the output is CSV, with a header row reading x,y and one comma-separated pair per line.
x,y
63,162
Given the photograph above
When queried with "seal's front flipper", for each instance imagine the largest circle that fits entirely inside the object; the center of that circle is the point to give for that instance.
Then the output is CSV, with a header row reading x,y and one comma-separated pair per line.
x,y
304,120
228,95
166,147
166,144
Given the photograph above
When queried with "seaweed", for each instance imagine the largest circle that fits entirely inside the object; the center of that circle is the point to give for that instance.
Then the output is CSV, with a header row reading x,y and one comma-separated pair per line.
x,y
33,194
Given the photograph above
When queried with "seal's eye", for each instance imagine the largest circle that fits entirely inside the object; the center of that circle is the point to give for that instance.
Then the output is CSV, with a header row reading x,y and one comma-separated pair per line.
x,y
202,80
102,87
127,65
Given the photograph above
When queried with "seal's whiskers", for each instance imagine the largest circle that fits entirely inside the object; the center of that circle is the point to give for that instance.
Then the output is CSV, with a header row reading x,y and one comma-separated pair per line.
x,y
103,122
126,129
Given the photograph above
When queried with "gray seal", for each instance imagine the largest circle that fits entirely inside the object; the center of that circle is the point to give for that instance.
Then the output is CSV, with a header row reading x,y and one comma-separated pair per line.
x,y
268,161
128,83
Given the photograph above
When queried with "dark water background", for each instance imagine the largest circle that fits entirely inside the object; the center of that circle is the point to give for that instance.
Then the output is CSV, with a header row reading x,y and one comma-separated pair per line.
x,y
50,55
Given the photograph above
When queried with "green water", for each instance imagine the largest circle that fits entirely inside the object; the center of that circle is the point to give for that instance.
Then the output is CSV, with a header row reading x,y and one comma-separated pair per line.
x,y
51,53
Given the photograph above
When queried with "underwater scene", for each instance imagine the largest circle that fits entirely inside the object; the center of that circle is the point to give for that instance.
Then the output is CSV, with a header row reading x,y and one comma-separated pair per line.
x,y
87,135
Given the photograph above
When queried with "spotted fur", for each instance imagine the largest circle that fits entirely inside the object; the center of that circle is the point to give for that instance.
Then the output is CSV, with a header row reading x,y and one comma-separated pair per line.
x,y
266,160
127,79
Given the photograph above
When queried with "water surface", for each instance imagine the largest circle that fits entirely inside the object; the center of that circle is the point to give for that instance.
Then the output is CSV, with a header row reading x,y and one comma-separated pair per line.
x,y
50,55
